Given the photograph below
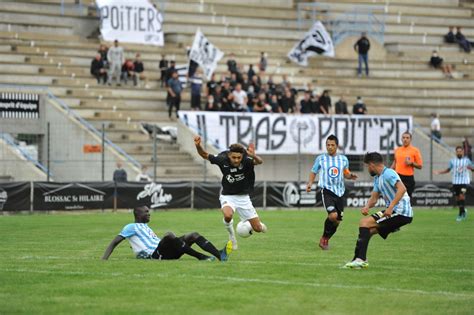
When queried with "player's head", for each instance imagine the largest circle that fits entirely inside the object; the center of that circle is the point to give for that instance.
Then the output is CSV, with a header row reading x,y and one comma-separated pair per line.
x,y
142,214
374,162
406,139
459,151
236,154
331,144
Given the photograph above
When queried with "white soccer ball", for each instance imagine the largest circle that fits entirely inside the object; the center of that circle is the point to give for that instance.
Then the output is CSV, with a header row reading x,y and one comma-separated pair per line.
x,y
244,229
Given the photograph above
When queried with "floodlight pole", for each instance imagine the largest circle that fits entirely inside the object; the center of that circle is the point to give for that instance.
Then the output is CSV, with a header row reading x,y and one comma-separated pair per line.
x,y
103,152
154,153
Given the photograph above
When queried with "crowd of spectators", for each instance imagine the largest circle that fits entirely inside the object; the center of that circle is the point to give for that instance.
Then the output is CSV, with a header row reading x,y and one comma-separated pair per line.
x,y
458,38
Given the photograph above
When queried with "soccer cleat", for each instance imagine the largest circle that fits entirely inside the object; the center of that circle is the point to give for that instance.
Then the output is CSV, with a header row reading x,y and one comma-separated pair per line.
x,y
459,218
211,258
357,264
225,252
464,215
324,243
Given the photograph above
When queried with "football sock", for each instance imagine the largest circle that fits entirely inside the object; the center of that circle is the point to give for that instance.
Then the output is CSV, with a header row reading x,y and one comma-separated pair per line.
x,y
182,246
329,228
230,228
362,243
461,207
208,246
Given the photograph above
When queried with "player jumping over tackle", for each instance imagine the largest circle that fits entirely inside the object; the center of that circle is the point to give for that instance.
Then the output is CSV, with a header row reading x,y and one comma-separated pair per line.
x,y
332,169
238,177
398,210
146,245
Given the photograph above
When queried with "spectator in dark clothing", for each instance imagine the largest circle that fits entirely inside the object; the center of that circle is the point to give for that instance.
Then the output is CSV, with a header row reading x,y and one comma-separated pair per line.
x,y
98,69
217,97
307,106
211,105
359,107
262,65
227,98
274,103
211,85
120,175
128,71
287,102
341,107
163,67
139,71
232,64
449,37
169,71
196,85
437,63
467,148
251,72
362,47
325,103
103,53
463,42
174,94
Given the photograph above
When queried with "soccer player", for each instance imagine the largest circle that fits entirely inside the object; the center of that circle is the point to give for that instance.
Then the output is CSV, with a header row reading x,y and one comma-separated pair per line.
x,y
238,177
332,169
407,158
146,245
398,211
459,167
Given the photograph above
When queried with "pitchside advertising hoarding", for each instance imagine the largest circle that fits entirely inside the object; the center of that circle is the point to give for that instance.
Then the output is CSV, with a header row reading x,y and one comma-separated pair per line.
x,y
19,105
17,196
281,133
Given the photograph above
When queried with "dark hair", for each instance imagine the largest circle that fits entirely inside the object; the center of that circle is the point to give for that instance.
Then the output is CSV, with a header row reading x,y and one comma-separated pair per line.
x,y
459,147
374,157
237,148
138,210
333,138
407,133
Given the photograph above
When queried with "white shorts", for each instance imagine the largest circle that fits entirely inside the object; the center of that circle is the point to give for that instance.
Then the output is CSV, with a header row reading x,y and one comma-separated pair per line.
x,y
240,203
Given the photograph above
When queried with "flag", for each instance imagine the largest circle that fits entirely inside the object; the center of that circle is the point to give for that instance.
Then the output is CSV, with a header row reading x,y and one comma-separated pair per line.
x,y
316,41
182,74
205,54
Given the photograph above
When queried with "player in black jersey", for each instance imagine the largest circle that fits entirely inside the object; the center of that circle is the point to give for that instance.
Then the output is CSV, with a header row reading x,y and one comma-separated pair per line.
x,y
238,178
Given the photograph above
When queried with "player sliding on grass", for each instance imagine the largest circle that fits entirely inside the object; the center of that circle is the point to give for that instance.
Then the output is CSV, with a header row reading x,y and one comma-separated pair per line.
x,y
332,169
237,167
146,245
398,210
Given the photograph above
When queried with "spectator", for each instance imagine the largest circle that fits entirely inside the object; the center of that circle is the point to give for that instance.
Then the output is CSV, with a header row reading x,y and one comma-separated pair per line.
x,y
196,86
362,46
143,175
467,148
240,99
211,85
449,37
163,67
359,107
98,69
261,104
437,63
325,103
341,107
128,71
274,103
169,71
139,71
262,65
232,64
251,72
307,106
217,98
116,59
174,94
435,127
120,175
463,42
103,49
227,97
193,65
211,105
287,102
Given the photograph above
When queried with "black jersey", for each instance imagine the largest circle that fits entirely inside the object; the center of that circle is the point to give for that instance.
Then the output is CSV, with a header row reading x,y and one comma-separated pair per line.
x,y
235,180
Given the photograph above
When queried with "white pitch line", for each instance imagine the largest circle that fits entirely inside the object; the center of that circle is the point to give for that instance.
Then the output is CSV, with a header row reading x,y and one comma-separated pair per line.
x,y
253,280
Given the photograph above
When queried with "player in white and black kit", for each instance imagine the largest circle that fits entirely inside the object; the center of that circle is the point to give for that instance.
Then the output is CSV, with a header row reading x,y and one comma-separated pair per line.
x,y
238,177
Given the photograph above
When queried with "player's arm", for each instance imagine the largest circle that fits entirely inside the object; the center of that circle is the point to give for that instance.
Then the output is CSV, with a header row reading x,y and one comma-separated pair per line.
x,y
251,153
200,149
374,197
439,172
117,240
312,177
401,189
349,175
418,162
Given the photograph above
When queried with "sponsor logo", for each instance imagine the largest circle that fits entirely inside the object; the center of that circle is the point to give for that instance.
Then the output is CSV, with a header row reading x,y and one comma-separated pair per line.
x,y
432,195
333,172
236,178
307,129
74,201
158,196
291,195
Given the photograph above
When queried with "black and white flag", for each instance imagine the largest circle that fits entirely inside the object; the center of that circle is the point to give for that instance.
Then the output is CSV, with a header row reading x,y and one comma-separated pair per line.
x,y
205,54
316,41
182,74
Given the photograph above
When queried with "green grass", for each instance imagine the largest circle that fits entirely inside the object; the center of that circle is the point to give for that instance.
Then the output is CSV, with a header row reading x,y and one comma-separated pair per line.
x,y
51,264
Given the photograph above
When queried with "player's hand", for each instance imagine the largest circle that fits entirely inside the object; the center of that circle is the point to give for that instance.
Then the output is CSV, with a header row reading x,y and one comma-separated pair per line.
x,y
251,150
388,212
365,211
308,187
353,176
197,140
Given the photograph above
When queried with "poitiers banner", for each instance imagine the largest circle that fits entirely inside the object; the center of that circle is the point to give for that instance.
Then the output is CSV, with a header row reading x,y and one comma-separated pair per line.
x,y
19,105
281,133
205,54
135,21
316,41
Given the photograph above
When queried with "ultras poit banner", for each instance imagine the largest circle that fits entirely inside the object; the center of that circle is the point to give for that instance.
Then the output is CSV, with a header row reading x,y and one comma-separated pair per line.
x,y
279,133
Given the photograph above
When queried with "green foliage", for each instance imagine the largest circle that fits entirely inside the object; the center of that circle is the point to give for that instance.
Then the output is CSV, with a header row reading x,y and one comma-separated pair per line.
x,y
51,264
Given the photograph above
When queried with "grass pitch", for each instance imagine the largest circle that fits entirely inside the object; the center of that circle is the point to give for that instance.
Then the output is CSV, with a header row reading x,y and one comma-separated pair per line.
x,y
50,264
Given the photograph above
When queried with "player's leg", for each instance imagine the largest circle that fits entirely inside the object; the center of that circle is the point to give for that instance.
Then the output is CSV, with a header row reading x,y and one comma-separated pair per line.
x,y
335,208
460,200
228,210
247,212
257,225
173,247
201,241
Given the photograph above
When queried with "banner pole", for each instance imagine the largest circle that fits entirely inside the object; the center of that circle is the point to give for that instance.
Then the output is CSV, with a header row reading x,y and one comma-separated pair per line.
x,y
32,197
103,151
115,196
155,158
265,195
192,195
48,144
431,157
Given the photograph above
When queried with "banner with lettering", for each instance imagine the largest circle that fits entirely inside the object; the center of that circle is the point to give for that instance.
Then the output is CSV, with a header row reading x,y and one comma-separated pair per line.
x,y
19,105
137,21
281,133
205,54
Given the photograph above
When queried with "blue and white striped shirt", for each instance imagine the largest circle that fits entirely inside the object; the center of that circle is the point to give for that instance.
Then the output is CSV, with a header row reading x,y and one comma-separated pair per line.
x,y
331,172
385,184
142,239
459,170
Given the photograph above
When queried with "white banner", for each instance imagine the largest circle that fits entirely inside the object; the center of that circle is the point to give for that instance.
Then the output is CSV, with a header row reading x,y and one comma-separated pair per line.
x,y
205,54
279,133
315,42
127,21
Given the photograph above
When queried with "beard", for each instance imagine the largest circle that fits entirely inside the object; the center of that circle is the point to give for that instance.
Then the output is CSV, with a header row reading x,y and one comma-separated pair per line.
x,y
372,173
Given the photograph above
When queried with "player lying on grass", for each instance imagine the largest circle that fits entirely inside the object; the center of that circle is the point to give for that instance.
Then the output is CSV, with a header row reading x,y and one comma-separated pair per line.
x,y
146,245
238,177
398,210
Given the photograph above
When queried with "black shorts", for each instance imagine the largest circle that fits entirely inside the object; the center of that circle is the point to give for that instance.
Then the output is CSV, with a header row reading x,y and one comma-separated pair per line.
x,y
409,182
333,202
387,225
459,189
167,249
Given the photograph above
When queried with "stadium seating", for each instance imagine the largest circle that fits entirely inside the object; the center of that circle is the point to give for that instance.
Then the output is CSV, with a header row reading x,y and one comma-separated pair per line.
x,y
50,49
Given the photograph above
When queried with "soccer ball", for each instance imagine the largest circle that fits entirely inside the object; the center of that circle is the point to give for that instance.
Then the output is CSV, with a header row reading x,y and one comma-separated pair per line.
x,y
244,229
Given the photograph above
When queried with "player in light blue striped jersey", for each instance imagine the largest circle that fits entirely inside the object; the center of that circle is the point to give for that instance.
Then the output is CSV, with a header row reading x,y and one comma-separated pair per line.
x,y
460,167
332,169
146,245
398,211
